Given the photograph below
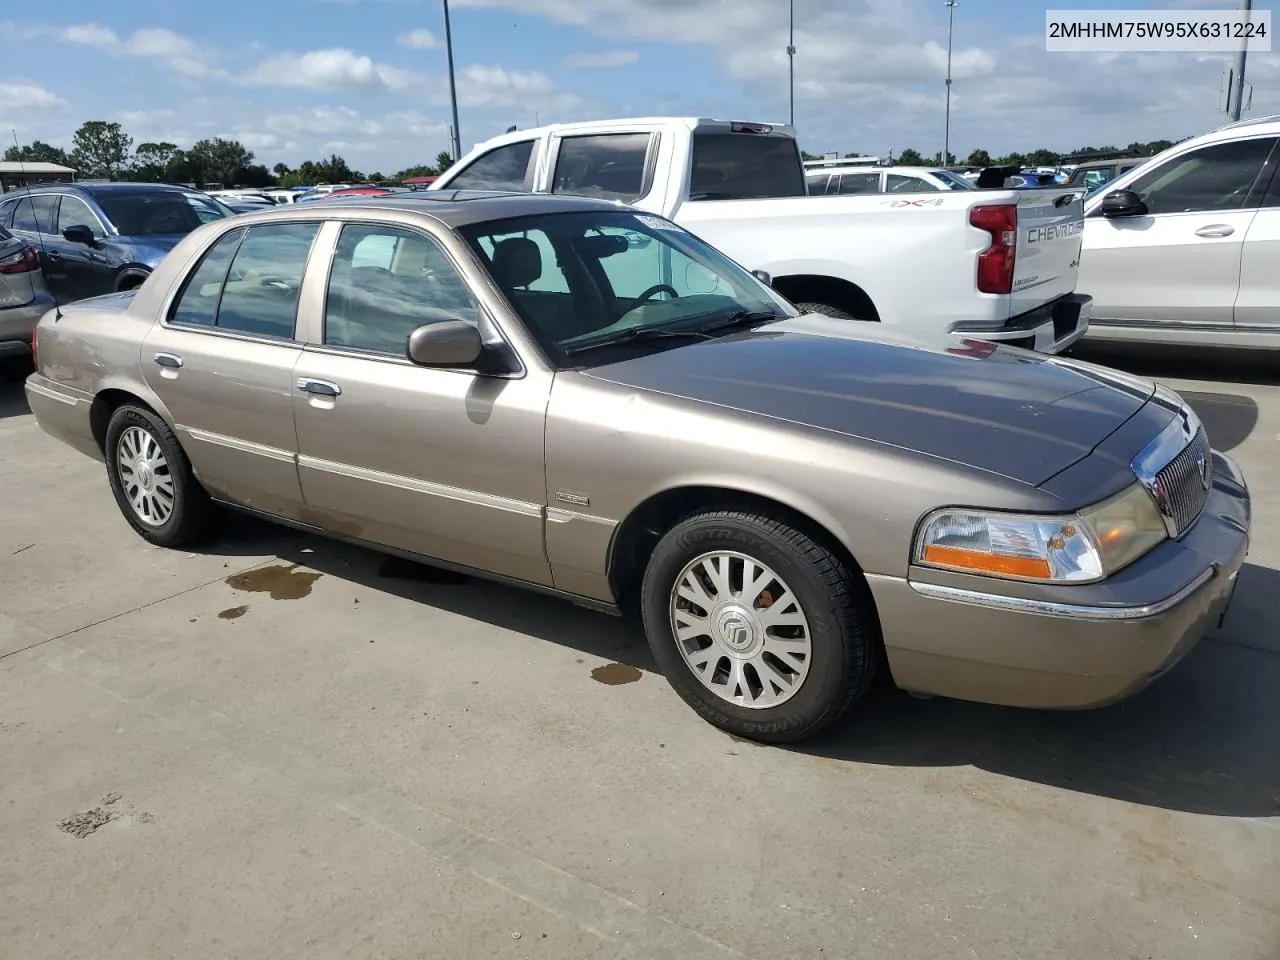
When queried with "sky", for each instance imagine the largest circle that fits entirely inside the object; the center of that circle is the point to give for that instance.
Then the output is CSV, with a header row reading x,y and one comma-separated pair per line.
x,y
299,79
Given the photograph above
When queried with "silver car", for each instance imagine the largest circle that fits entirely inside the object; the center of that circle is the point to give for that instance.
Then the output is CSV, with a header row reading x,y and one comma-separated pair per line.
x,y
586,400
24,299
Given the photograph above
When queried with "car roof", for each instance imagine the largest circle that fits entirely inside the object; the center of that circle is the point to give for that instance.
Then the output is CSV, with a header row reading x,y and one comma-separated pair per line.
x,y
96,189
455,208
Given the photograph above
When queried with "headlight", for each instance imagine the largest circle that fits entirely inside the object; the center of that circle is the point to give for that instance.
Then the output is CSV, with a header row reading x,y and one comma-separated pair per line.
x,y
1077,548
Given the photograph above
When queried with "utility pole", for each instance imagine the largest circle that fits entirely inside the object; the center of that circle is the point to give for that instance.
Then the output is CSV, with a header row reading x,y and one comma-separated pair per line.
x,y
791,61
946,135
453,90
1236,93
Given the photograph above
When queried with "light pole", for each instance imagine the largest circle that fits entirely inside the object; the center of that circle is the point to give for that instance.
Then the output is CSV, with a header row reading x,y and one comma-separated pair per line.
x,y
946,135
791,60
1235,97
453,90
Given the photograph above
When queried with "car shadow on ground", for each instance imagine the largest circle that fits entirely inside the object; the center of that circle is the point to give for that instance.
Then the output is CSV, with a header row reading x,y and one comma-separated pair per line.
x,y
13,400
1202,739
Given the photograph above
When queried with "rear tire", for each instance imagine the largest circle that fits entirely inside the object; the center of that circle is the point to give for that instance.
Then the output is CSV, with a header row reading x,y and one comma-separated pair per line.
x,y
152,479
758,627
826,309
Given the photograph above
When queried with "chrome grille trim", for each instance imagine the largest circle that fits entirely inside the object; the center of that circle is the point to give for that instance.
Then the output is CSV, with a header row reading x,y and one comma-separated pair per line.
x,y
1177,470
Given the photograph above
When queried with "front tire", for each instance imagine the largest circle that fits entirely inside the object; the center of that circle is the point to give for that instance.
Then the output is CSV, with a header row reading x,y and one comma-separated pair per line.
x,y
152,480
758,627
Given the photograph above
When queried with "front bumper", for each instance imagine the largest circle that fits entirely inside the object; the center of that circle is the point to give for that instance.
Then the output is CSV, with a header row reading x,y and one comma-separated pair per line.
x,y
1068,647
1049,328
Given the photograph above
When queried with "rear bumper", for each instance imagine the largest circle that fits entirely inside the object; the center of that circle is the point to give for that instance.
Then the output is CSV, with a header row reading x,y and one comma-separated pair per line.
x,y
63,413
18,323
1049,328
973,643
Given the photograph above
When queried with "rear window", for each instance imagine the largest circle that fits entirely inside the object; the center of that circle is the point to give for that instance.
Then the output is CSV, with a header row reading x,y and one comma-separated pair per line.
x,y
745,166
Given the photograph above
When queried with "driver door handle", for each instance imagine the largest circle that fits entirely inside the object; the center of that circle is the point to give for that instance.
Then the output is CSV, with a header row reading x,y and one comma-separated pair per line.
x,y
320,388
1216,230
168,360
53,255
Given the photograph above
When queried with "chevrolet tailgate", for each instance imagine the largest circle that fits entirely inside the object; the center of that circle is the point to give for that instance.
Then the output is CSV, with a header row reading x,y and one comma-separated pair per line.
x,y
1050,233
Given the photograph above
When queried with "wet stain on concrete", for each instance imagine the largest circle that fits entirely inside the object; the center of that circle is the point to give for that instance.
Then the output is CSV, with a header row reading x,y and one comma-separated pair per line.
x,y
281,581
84,824
616,673
398,568
233,613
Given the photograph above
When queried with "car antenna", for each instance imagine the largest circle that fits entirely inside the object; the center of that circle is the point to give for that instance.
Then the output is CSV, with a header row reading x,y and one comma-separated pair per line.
x,y
44,257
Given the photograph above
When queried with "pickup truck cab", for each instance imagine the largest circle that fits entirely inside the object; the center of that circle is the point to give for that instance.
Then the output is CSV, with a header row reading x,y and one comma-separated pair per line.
x,y
994,265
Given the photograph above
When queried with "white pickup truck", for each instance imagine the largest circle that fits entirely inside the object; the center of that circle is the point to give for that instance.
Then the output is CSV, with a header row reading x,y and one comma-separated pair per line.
x,y
989,264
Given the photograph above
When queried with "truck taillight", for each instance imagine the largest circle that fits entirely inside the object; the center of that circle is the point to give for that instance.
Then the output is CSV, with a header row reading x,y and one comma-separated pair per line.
x,y
24,261
995,264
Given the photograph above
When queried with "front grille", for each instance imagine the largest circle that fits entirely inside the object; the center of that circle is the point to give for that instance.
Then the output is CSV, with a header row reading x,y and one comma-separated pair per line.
x,y
1182,486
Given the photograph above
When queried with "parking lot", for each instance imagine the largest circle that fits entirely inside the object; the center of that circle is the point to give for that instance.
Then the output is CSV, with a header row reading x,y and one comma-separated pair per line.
x,y
281,746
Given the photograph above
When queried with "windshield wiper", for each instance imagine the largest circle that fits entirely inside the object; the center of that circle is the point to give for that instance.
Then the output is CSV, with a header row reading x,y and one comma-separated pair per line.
x,y
638,335
740,318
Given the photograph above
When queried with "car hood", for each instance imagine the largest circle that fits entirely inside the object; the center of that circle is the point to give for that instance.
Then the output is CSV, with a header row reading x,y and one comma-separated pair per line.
x,y
1022,415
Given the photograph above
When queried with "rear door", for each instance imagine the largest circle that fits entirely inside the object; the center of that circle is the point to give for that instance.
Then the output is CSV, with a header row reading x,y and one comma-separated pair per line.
x,y
1180,263
1258,299
222,360
1050,232
34,220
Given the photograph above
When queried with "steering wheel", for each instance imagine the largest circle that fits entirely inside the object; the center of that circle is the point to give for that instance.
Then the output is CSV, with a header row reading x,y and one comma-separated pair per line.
x,y
654,290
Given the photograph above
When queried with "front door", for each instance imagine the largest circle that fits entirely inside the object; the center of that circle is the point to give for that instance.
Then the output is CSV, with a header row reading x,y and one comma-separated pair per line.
x,y
86,269
223,363
1179,263
442,463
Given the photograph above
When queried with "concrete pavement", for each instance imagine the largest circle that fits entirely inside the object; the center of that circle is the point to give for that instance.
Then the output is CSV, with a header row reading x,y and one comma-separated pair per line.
x,y
280,746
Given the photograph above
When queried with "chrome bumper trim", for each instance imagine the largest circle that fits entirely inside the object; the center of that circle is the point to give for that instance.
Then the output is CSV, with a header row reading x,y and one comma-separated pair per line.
x,y
1070,611
50,393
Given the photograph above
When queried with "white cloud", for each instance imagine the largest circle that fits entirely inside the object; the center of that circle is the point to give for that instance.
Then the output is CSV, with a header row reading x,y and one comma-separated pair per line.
x,y
180,54
18,95
419,40
609,58
336,69
488,86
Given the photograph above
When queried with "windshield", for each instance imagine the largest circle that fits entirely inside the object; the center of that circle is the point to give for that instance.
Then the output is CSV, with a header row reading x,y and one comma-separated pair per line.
x,y
745,166
954,180
167,211
598,286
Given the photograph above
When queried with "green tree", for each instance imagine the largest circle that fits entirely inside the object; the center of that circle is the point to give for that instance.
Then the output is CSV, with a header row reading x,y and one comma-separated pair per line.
x,y
38,152
909,158
221,161
979,158
419,171
1043,158
281,170
443,161
101,149
937,160
154,161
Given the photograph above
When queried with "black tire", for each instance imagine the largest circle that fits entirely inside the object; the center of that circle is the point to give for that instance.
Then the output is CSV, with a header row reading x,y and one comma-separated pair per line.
x,y
192,510
16,368
835,601
826,310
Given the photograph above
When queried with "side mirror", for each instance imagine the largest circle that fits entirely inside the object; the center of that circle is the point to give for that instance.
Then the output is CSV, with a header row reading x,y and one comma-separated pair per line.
x,y
449,343
763,277
79,233
1123,203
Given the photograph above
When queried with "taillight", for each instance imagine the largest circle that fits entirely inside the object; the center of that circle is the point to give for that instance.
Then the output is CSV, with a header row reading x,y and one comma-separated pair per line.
x,y
35,356
995,264
22,262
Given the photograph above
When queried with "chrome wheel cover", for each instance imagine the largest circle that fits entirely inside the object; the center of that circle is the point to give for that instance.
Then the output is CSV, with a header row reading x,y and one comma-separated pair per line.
x,y
145,477
740,629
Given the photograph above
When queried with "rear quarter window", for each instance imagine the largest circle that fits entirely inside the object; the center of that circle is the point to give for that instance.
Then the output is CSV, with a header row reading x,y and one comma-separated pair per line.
x,y
745,166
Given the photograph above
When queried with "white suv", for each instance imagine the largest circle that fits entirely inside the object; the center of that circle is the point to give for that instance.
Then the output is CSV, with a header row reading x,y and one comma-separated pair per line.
x,y
1186,247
